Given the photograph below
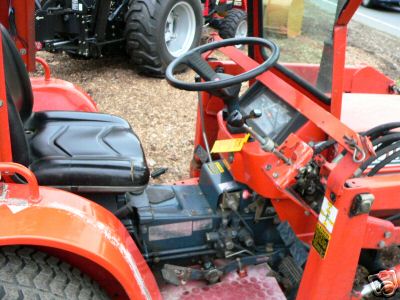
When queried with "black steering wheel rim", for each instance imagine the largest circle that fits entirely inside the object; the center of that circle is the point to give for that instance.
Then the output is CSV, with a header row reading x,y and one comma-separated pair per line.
x,y
222,83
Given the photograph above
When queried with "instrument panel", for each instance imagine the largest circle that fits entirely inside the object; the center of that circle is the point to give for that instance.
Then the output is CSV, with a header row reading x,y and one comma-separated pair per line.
x,y
278,118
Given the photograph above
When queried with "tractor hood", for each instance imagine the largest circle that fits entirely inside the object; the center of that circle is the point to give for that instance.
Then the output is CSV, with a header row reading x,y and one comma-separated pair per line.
x,y
364,111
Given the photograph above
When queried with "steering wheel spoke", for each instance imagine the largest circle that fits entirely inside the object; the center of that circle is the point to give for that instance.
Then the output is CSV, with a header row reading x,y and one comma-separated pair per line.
x,y
198,64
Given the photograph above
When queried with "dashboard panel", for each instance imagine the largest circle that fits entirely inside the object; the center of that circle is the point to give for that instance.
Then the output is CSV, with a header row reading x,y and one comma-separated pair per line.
x,y
278,118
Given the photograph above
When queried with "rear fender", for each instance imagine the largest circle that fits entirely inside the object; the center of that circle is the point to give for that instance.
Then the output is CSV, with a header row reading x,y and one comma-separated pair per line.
x,y
56,94
80,230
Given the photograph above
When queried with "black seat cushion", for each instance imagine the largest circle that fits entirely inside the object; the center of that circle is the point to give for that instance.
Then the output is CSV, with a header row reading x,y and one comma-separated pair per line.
x,y
86,152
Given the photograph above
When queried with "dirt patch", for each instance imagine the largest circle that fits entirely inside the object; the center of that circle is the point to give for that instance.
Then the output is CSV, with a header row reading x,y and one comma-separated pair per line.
x,y
375,48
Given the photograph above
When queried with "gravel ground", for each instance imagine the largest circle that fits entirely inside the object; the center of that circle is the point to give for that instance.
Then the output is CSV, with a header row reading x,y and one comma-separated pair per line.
x,y
164,117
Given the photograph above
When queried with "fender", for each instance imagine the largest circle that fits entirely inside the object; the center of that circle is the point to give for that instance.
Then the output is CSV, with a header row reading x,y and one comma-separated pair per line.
x,y
68,223
56,94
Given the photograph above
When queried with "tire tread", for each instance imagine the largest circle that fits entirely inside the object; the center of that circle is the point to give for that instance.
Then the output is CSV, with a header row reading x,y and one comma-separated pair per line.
x,y
230,22
26,273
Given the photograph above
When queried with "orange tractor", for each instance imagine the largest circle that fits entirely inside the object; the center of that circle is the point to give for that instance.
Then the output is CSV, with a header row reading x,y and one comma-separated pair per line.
x,y
294,183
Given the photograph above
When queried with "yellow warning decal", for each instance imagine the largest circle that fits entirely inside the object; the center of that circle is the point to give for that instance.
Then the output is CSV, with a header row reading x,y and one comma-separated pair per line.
x,y
231,145
328,215
321,240
216,168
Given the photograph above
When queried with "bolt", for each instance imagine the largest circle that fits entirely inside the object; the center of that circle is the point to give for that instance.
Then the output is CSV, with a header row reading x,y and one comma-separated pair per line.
x,y
156,260
229,245
275,175
268,167
1,103
365,206
387,235
249,242
307,213
381,244
207,265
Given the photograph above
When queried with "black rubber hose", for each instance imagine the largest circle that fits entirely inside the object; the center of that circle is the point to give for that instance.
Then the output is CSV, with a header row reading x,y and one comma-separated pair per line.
x,y
319,148
379,153
393,218
380,130
386,139
383,163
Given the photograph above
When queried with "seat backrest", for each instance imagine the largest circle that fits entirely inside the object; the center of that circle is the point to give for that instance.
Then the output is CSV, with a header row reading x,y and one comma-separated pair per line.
x,y
19,97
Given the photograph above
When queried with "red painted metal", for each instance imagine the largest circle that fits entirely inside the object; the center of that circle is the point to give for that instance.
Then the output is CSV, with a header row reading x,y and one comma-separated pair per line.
x,y
348,12
255,285
339,61
4,13
46,68
206,10
25,24
10,168
57,94
5,142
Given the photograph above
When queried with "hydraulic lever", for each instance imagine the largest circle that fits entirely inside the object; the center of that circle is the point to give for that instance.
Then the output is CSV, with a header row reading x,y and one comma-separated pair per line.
x,y
236,119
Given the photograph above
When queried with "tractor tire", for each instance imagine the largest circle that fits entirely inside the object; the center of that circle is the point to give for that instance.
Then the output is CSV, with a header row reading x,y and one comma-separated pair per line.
x,y
234,24
369,3
151,41
26,273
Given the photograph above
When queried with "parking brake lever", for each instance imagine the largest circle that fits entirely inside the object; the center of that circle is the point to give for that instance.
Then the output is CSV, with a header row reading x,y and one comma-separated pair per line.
x,y
236,119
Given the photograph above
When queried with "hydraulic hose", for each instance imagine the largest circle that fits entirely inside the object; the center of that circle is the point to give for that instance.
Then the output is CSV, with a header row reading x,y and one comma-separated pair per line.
x,y
383,163
320,147
380,130
379,153
386,139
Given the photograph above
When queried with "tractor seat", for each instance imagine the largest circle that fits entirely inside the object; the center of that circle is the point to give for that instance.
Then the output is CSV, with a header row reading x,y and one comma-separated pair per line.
x,y
77,151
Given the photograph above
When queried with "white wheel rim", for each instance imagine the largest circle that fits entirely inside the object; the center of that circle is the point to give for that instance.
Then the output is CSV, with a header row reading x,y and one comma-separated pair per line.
x,y
180,29
241,30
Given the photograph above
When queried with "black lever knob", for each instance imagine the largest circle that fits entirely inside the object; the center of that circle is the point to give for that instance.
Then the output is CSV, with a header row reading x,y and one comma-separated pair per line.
x,y
235,119
254,114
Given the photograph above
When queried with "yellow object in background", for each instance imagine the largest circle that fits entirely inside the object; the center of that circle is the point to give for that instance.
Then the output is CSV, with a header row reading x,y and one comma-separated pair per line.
x,y
231,145
284,17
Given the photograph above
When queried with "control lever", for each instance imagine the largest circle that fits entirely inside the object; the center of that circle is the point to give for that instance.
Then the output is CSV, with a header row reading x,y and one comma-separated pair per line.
x,y
236,119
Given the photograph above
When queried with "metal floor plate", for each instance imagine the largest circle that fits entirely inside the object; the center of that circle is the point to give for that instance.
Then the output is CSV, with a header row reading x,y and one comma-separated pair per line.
x,y
256,285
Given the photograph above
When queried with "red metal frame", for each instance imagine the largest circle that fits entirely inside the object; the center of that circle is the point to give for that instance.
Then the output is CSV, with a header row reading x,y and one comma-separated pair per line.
x,y
25,24
206,10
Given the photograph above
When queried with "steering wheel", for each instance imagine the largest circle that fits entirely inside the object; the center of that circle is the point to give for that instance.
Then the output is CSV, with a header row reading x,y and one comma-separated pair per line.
x,y
213,80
